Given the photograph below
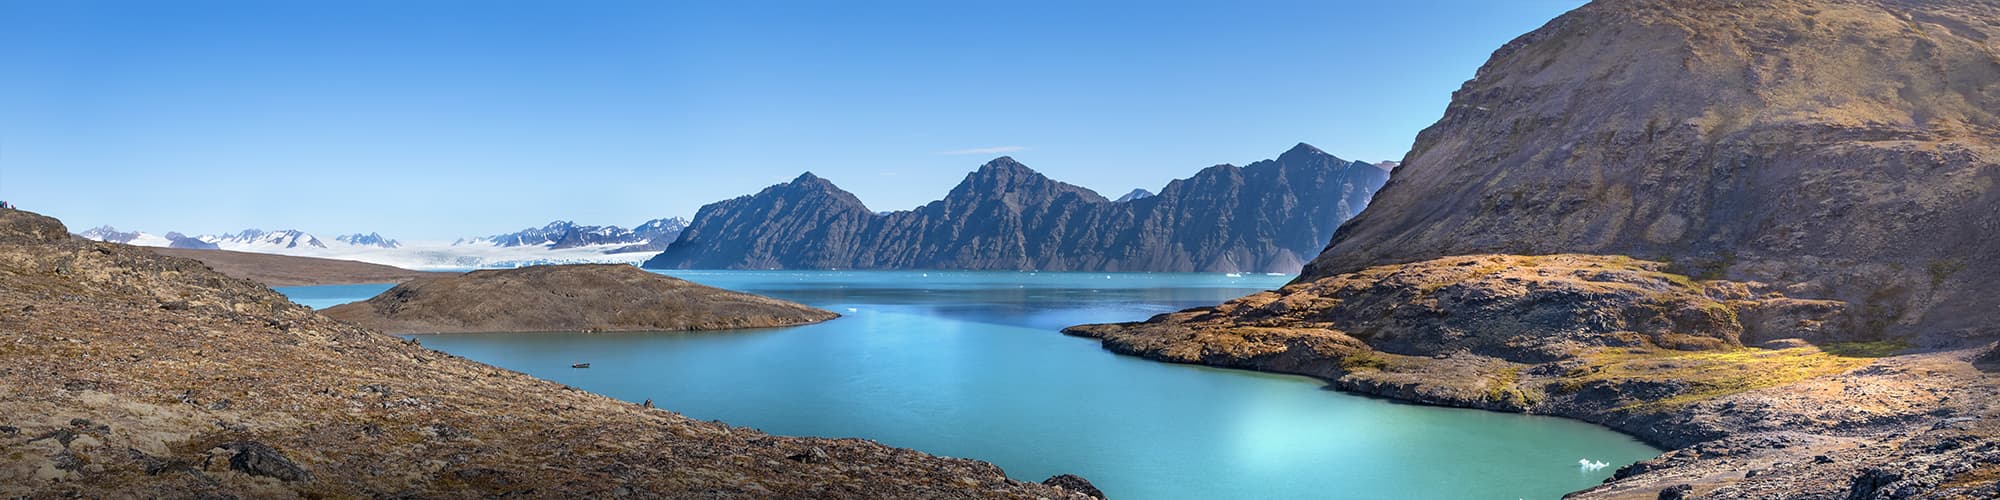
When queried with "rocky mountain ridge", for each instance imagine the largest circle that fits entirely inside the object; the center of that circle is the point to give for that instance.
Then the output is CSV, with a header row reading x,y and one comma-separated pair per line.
x,y
1263,217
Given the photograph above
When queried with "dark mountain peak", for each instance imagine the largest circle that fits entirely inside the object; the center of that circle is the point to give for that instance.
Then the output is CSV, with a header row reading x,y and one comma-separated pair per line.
x,y
1004,164
1136,194
807,178
1301,151
1020,185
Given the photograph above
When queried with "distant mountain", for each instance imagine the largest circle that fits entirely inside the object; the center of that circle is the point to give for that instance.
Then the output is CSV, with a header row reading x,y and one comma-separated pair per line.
x,y
1136,194
1269,216
652,236
251,240
368,240
171,240
559,242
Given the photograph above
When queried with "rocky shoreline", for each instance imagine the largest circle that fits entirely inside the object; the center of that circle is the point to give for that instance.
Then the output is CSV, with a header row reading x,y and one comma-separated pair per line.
x,y
1587,337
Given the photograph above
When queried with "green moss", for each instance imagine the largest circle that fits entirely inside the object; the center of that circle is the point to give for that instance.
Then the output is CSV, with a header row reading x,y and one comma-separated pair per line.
x,y
1364,360
1501,388
1707,374
1942,269
1876,349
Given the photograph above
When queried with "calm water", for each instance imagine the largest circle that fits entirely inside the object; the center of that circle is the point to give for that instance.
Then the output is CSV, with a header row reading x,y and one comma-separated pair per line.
x,y
324,296
970,365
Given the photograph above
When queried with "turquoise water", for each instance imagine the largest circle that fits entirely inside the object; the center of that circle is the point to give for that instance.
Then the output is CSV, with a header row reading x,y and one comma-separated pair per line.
x,y
970,365
324,296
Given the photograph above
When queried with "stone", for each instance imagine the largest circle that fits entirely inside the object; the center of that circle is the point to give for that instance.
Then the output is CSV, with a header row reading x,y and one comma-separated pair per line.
x,y
1676,492
1073,483
256,459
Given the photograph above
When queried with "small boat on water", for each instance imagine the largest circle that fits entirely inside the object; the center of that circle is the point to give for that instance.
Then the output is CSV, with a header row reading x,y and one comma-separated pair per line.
x,y
580,365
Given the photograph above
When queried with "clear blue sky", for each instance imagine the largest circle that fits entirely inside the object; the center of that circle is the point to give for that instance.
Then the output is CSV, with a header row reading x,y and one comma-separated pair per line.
x,y
437,119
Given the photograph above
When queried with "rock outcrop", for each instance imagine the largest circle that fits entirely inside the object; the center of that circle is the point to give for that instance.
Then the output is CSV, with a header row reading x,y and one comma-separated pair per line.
x,y
1757,232
1264,217
131,374
1847,149
567,298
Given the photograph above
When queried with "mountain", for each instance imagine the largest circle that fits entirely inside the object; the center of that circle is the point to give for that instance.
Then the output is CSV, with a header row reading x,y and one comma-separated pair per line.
x,y
251,240
1263,217
368,240
559,242
1758,233
1134,195
171,240
131,374
653,235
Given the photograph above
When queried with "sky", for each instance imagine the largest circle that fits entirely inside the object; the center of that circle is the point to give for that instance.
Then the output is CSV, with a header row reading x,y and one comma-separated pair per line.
x,y
437,119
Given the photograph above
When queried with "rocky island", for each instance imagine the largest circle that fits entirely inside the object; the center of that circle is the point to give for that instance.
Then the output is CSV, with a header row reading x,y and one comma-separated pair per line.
x,y
1760,234
134,374
567,298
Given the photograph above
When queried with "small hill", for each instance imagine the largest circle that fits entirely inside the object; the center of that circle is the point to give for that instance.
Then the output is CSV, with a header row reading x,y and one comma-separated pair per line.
x,y
287,270
568,298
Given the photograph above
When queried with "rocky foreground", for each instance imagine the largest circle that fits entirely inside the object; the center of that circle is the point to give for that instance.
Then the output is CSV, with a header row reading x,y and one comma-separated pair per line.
x,y
1758,395
132,374
568,298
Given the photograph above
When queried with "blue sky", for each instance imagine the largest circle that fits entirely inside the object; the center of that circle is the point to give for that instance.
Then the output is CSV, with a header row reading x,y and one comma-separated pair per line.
x,y
438,119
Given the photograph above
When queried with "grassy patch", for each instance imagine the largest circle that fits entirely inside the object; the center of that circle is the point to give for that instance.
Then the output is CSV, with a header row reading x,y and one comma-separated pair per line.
x,y
1710,374
1876,349
1501,388
1364,360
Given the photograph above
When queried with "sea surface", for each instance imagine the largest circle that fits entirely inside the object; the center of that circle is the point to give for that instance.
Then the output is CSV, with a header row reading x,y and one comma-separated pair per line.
x,y
970,364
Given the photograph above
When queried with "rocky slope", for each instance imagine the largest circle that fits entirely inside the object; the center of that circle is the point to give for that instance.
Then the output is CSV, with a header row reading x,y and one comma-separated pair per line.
x,y
1847,149
567,298
1264,217
287,270
134,374
1807,187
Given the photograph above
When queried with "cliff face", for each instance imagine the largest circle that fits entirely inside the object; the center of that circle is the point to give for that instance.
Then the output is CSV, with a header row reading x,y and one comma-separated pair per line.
x,y
131,374
1264,217
1848,149
567,298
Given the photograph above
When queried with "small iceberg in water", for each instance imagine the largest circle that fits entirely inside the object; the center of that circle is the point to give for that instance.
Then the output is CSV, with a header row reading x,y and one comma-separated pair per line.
x,y
1589,465
1233,275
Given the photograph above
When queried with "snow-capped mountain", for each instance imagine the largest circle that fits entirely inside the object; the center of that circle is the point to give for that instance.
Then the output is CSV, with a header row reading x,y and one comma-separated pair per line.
x,y
653,236
173,240
559,242
255,240
368,240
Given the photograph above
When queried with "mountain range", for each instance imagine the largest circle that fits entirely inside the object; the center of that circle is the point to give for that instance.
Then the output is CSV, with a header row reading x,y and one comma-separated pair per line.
x,y
558,242
1268,216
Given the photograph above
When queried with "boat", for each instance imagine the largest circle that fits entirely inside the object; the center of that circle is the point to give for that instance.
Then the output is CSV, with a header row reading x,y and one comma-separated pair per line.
x,y
580,365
